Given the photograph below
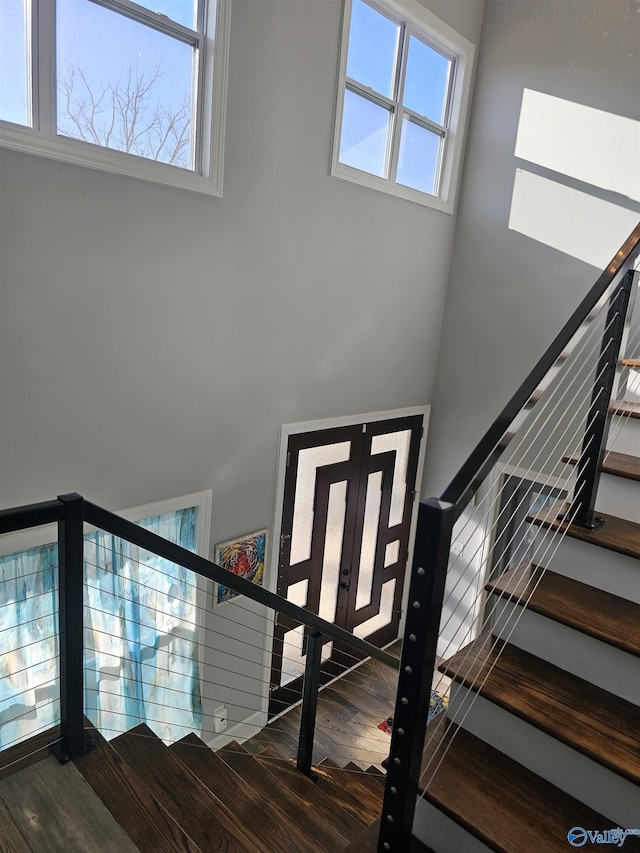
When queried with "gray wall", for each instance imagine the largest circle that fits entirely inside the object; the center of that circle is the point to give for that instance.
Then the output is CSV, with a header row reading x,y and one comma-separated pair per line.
x,y
510,292
152,341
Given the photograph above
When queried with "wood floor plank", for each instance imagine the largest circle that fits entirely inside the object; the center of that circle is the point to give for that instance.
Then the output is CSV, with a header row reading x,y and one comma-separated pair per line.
x,y
602,726
58,812
202,816
127,798
592,611
254,807
12,839
499,801
616,534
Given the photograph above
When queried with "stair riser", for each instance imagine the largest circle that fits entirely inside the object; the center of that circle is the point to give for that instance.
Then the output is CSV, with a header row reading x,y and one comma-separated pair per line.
x,y
624,435
619,496
611,571
571,771
603,665
439,832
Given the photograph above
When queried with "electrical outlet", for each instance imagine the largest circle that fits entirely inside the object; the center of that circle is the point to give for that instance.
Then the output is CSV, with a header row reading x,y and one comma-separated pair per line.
x,y
457,548
220,719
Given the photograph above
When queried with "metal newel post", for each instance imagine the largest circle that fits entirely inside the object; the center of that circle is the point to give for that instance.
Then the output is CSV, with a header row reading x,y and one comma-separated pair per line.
x,y
309,702
599,418
73,741
424,608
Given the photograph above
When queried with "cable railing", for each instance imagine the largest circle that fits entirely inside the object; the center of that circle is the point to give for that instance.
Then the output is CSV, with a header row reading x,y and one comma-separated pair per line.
x,y
127,627
119,624
483,548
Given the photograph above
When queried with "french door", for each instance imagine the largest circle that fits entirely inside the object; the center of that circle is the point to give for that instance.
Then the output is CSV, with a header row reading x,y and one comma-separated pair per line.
x,y
348,499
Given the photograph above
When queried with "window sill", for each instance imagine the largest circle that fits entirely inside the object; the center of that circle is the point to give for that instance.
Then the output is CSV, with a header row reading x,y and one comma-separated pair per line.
x,y
364,179
79,153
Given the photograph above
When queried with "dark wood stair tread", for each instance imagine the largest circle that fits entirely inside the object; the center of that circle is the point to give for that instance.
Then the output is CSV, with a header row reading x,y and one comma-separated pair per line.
x,y
598,724
253,806
372,782
616,534
321,802
354,797
499,801
625,410
202,816
592,611
125,795
296,808
619,464
368,843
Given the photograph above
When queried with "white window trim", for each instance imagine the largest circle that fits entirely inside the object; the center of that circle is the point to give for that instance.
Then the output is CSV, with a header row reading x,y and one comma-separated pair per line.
x,y
416,15
31,141
23,540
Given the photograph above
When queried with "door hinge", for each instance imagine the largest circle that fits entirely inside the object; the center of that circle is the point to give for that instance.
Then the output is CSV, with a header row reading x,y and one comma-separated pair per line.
x,y
288,457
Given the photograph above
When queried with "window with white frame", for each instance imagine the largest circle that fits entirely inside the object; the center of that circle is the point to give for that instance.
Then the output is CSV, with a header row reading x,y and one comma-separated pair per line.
x,y
402,100
136,88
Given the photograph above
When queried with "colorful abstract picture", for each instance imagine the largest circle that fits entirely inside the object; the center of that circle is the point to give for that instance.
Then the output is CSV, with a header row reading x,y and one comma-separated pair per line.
x,y
244,557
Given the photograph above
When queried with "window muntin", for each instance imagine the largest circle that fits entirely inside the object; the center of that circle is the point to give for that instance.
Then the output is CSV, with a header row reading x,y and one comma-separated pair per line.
x,y
405,66
97,64
411,81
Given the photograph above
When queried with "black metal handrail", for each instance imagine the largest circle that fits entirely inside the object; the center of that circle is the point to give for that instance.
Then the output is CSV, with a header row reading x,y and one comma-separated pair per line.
x,y
124,529
437,517
71,512
490,447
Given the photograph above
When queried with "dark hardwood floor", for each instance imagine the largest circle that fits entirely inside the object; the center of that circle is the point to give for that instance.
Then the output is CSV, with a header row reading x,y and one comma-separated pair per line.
x,y
349,712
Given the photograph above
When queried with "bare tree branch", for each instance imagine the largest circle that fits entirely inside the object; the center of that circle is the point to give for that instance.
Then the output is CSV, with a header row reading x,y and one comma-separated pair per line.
x,y
126,115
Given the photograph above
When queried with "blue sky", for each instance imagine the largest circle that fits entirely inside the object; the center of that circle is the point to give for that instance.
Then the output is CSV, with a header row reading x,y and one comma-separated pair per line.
x,y
374,43
106,46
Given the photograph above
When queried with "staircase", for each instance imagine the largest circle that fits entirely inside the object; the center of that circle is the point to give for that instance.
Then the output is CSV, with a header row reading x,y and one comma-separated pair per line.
x,y
543,731
135,793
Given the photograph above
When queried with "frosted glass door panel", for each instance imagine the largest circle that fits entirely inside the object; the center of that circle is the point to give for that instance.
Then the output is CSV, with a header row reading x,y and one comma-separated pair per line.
x,y
400,442
384,615
344,540
333,550
369,538
309,460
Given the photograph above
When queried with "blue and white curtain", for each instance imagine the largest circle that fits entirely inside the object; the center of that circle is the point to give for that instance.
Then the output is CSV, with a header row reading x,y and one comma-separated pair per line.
x,y
29,688
141,654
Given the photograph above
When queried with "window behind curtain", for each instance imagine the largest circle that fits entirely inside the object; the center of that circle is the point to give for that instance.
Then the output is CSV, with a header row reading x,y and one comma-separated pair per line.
x,y
141,660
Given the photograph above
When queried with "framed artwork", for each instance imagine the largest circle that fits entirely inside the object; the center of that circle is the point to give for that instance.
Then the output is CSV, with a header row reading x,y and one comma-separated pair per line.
x,y
244,557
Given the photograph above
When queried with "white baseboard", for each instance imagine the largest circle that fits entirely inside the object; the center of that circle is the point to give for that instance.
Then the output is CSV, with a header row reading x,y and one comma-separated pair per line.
x,y
240,732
